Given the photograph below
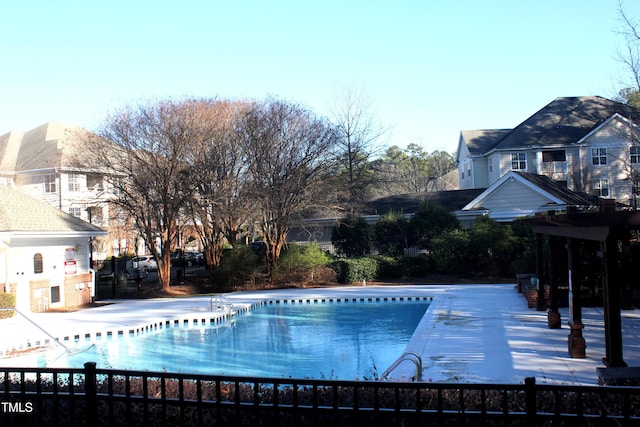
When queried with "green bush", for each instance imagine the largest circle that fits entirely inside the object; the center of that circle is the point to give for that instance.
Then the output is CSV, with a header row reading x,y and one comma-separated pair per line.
x,y
352,237
381,267
7,301
416,266
451,251
390,267
355,269
390,233
430,221
237,265
302,257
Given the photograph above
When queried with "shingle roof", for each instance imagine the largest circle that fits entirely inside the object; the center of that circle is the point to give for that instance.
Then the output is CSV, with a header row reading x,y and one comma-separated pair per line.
x,y
554,188
408,203
46,146
480,141
20,212
562,122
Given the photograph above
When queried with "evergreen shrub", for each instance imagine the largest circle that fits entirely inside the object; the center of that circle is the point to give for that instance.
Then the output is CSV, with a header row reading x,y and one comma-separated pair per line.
x,y
298,257
416,266
390,267
237,265
355,269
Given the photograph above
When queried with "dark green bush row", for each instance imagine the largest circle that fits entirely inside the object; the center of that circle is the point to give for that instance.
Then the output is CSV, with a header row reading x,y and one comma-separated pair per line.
x,y
381,267
7,301
355,269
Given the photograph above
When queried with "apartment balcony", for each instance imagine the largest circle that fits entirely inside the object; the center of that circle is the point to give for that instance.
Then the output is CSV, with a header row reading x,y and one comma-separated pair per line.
x,y
554,170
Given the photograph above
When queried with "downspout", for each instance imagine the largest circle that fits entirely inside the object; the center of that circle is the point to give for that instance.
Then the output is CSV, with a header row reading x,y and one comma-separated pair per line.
x,y
581,187
59,176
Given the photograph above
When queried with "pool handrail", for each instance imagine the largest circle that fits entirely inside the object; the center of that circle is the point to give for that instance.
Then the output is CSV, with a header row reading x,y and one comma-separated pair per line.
x,y
409,356
221,302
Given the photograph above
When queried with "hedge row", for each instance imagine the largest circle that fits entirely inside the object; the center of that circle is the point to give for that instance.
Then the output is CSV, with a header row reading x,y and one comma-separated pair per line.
x,y
380,267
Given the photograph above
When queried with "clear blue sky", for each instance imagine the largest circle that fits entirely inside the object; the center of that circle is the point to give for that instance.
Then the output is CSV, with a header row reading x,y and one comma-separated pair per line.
x,y
429,68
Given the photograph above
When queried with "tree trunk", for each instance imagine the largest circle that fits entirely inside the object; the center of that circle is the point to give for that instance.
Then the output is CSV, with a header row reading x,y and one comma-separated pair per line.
x,y
164,271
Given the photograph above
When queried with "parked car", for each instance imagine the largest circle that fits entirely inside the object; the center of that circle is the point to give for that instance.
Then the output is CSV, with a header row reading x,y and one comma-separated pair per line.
x,y
145,263
194,258
187,259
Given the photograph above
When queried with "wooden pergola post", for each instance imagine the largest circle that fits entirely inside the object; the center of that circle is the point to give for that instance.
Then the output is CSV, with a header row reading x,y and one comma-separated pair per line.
x,y
611,276
553,315
541,303
576,343
610,230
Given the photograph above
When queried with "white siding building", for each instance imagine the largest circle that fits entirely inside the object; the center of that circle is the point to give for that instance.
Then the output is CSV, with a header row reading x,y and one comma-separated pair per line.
x,y
44,254
587,144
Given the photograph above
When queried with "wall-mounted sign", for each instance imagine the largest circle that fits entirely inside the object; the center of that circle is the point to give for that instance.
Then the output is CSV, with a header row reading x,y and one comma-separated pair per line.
x,y
70,254
70,267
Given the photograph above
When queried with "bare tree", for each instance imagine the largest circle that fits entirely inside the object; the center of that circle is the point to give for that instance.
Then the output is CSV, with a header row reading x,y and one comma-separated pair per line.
x,y
289,151
147,149
220,205
359,136
629,56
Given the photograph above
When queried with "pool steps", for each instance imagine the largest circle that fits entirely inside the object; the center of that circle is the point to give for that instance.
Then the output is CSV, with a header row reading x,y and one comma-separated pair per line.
x,y
201,319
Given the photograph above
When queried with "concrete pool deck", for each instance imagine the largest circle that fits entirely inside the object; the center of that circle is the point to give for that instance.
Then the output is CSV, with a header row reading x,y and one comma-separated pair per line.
x,y
481,333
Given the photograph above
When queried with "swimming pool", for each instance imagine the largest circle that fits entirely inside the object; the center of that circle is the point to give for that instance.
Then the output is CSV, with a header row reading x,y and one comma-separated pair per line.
x,y
325,340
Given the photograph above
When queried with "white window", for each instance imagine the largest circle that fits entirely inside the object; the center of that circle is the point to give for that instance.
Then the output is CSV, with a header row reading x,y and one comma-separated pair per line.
x,y
74,181
75,211
518,161
635,154
598,156
50,183
601,187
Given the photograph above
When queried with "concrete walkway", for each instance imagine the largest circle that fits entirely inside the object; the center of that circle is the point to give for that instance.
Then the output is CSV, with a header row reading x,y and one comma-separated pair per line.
x,y
482,333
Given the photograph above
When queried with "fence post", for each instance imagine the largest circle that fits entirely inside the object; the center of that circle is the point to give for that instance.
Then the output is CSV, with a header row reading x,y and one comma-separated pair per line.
x,y
90,392
530,400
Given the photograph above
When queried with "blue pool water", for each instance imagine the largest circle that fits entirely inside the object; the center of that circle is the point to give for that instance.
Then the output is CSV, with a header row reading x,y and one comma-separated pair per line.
x,y
330,340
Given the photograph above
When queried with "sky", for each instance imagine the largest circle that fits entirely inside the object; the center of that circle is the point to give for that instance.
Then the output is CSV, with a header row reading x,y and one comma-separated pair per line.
x,y
427,69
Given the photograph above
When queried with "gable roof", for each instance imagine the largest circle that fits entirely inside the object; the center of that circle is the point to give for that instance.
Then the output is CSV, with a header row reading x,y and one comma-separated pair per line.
x,y
555,189
21,213
562,122
544,194
480,141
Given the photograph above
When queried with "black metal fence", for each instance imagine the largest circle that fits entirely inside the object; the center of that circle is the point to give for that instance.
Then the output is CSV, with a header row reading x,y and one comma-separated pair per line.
x,y
106,397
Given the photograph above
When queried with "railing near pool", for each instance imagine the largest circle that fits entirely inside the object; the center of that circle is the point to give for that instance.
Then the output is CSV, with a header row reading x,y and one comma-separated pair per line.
x,y
218,302
97,397
407,356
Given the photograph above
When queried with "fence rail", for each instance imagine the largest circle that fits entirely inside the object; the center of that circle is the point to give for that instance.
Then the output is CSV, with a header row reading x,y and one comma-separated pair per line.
x,y
105,397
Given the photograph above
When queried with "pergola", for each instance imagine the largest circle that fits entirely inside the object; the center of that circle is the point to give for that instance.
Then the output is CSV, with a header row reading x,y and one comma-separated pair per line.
x,y
611,230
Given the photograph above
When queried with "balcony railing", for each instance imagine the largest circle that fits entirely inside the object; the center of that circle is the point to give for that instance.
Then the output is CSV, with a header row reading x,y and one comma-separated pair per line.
x,y
554,167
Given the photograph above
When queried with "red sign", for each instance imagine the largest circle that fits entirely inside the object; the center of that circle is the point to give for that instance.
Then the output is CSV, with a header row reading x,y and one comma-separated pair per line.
x,y
70,267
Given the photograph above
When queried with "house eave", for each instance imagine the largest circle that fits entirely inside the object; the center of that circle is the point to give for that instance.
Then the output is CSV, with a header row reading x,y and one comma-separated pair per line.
x,y
49,234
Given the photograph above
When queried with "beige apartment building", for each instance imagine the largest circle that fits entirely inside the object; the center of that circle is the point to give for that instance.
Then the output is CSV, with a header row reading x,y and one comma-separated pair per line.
x,y
43,163
587,144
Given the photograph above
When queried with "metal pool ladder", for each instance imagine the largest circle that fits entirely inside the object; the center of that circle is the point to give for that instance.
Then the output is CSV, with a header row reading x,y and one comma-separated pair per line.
x,y
220,302
409,356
